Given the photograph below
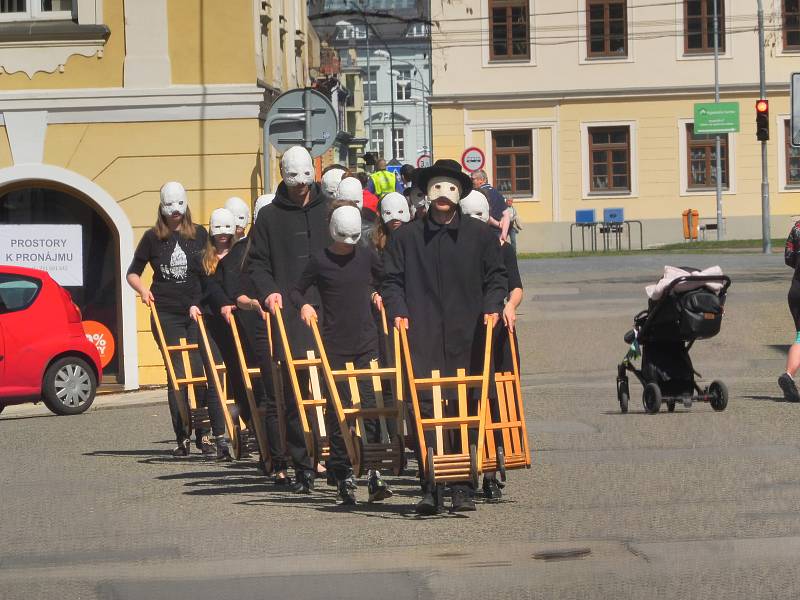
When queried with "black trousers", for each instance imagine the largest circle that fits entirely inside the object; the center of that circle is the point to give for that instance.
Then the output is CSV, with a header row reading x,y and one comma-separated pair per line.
x,y
295,440
176,326
339,462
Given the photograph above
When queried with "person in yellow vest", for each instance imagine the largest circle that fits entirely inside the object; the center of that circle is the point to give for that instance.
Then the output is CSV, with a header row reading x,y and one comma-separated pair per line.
x,y
383,181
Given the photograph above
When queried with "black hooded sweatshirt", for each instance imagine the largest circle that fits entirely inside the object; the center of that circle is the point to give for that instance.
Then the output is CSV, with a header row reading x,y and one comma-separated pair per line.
x,y
282,239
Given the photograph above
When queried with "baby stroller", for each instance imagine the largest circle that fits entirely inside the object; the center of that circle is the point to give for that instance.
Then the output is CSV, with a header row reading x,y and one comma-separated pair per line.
x,y
663,335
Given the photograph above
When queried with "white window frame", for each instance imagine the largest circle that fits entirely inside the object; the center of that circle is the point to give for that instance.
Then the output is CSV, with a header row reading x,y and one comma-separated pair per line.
x,y
377,132
586,194
403,83
34,12
679,33
684,164
371,80
583,52
418,30
357,31
485,38
399,140
783,185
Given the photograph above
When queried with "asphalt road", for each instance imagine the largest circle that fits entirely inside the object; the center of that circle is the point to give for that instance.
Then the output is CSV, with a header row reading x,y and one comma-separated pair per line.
x,y
694,504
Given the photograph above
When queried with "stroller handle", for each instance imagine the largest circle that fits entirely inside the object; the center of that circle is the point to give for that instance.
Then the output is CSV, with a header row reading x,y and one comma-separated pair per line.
x,y
723,279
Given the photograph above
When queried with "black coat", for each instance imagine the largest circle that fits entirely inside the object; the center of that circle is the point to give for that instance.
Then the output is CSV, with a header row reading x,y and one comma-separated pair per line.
x,y
282,239
444,278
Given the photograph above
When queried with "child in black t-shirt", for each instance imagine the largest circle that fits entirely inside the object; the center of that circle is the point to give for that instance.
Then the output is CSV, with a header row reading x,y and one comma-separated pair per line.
x,y
345,273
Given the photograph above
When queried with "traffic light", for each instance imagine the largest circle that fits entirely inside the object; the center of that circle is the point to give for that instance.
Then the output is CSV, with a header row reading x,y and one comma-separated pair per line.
x,y
762,120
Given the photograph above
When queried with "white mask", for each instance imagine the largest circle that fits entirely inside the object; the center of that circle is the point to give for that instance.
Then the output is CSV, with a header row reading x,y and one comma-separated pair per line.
x,y
240,210
350,189
222,222
173,199
444,187
331,179
394,207
418,199
476,205
261,202
297,168
346,225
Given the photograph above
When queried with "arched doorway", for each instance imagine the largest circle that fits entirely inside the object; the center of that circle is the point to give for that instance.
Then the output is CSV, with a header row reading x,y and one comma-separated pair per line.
x,y
37,203
36,193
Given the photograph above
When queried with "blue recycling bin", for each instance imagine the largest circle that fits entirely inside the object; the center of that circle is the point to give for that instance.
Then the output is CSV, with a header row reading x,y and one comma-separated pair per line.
x,y
585,216
613,215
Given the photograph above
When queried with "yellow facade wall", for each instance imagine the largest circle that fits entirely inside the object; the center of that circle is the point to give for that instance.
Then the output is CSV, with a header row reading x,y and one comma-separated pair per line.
x,y
213,159
211,41
83,71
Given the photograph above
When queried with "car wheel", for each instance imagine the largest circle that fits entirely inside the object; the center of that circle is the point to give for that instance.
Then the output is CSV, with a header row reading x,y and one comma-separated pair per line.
x,y
69,386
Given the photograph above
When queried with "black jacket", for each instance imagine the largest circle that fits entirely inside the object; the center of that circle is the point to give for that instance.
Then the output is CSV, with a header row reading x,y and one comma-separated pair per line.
x,y
282,239
444,278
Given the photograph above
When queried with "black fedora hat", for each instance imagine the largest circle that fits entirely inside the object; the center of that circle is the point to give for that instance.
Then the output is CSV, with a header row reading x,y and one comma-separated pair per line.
x,y
444,167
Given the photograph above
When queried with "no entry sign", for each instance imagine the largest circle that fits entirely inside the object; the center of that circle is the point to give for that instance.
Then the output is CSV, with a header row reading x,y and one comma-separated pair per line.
x,y
424,161
473,159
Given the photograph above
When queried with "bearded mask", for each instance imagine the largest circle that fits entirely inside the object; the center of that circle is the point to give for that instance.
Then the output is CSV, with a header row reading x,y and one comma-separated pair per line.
x,y
173,199
476,205
331,180
297,168
443,187
346,225
240,210
222,222
394,207
350,190
261,202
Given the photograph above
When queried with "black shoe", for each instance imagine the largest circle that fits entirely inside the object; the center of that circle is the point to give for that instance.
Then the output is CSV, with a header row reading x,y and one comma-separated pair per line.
x,y
347,491
304,483
206,446
330,479
462,501
281,478
223,451
377,488
491,489
789,388
183,447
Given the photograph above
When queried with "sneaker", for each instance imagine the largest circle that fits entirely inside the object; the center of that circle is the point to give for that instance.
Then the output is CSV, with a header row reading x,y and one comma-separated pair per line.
x,y
304,483
491,490
182,448
789,388
377,488
347,491
207,447
461,501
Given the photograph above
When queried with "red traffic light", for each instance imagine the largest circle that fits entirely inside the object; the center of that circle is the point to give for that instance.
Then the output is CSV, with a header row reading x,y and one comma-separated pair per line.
x,y
762,106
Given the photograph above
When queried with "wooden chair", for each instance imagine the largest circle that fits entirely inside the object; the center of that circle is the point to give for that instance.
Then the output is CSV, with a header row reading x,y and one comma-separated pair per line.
x,y
389,453
310,403
192,415
443,462
236,428
513,452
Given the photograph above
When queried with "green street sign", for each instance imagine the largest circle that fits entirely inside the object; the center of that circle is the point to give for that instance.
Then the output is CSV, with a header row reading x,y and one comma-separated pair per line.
x,y
716,117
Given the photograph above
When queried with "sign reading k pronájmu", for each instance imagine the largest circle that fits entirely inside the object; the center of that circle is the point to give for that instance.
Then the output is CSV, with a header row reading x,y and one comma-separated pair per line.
x,y
57,249
716,117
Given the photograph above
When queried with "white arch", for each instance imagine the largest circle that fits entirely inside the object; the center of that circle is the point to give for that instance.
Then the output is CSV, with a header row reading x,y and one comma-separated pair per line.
x,y
106,203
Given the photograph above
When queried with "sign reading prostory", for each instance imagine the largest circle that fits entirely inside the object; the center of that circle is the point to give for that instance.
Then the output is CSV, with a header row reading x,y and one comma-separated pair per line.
x,y
716,117
56,249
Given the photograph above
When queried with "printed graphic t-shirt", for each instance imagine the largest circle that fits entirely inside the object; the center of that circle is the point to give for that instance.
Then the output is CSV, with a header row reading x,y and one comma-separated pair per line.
x,y
176,264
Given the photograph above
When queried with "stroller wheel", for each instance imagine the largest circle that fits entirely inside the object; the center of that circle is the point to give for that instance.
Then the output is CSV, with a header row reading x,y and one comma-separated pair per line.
x,y
623,395
652,398
718,395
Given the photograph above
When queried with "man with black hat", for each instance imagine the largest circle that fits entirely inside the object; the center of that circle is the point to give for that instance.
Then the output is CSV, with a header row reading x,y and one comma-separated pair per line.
x,y
444,278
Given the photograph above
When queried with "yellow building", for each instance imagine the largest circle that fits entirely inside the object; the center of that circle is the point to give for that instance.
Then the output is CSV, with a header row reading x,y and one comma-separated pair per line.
x,y
102,101
588,104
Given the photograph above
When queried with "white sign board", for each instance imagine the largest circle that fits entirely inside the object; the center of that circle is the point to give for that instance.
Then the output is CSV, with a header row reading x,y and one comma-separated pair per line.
x,y
57,249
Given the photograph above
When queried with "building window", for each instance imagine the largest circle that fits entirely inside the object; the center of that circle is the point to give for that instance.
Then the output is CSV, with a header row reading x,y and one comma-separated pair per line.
x,y
513,173
377,141
698,26
791,25
702,156
509,29
418,30
403,84
399,143
792,157
610,159
352,32
607,26
371,86
25,10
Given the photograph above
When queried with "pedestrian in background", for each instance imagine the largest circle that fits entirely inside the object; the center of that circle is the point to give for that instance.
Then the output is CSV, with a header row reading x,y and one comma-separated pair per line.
x,y
383,181
406,177
498,216
792,258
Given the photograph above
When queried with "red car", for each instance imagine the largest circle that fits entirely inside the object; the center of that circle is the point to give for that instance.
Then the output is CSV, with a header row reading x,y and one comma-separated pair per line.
x,y
44,353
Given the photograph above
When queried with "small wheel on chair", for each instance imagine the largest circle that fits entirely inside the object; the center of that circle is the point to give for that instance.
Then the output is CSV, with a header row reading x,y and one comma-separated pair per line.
x,y
473,465
623,395
651,398
718,395
501,462
430,476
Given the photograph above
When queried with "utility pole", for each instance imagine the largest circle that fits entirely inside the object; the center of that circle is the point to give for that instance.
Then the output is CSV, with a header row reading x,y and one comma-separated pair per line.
x,y
766,236
718,178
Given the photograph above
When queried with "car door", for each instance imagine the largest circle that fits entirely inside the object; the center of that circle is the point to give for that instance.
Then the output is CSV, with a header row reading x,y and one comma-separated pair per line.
x,y
2,358
20,329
